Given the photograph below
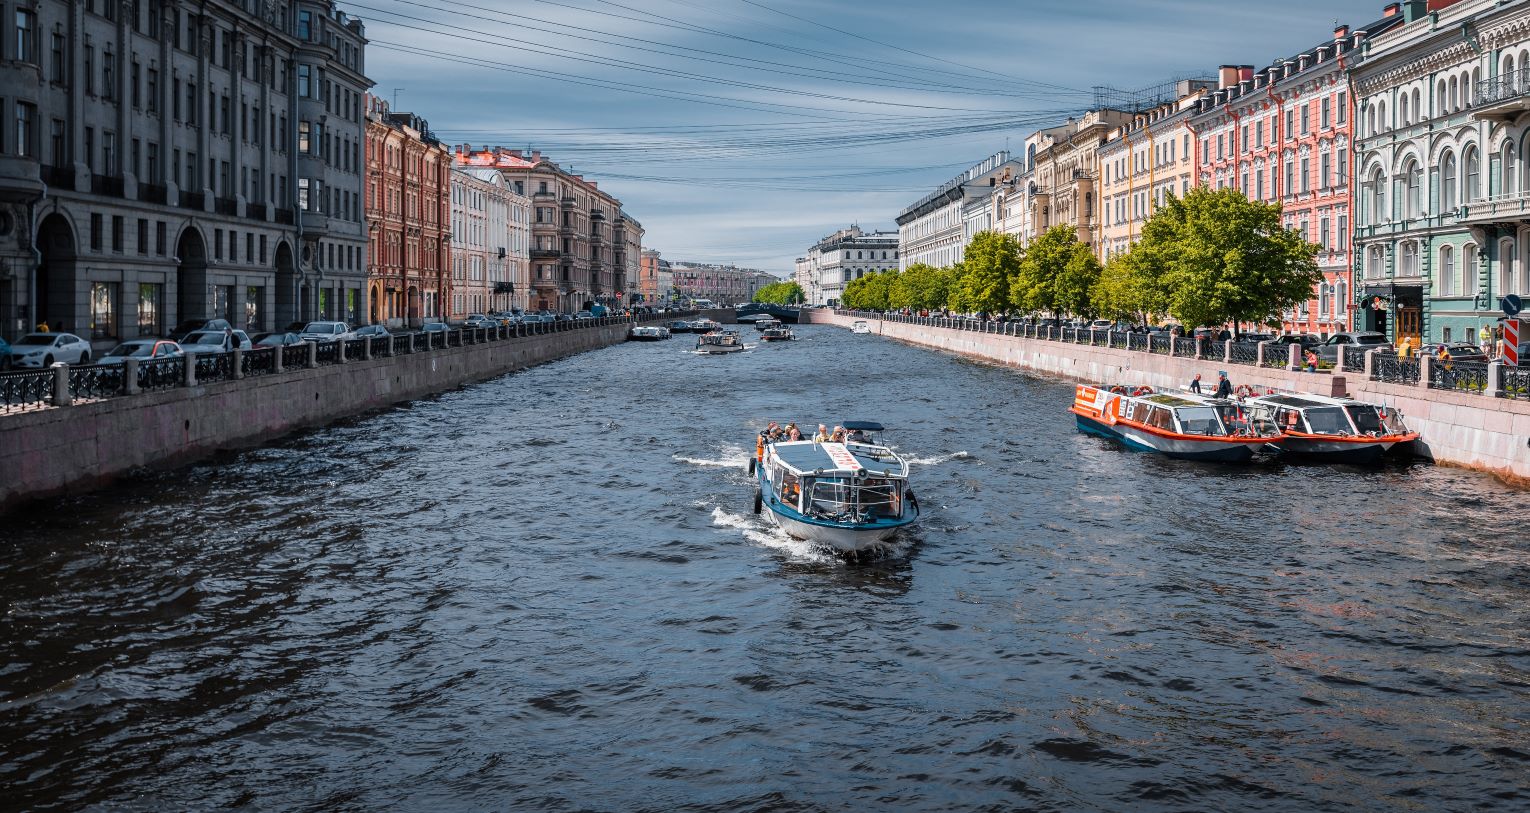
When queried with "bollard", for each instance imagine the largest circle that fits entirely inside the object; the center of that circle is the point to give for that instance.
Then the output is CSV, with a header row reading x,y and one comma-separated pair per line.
x,y
366,350
391,351
61,395
191,370
276,359
1260,354
313,354
1294,357
1338,360
1370,364
339,351
130,376
237,369
1424,365
1494,379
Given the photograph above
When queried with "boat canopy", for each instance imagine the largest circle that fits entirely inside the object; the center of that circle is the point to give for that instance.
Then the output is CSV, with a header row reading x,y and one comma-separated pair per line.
x,y
838,460
864,426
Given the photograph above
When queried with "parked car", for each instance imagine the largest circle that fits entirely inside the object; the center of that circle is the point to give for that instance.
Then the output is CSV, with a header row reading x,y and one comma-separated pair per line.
x,y
1254,338
1306,340
1368,340
213,342
45,349
1459,351
326,332
476,320
191,326
371,332
584,315
5,354
434,327
143,350
276,339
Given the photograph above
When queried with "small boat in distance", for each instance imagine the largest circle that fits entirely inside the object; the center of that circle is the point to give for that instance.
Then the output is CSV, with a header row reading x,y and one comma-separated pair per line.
x,y
1338,430
766,323
849,496
678,326
704,326
719,342
779,333
1181,425
648,333
860,327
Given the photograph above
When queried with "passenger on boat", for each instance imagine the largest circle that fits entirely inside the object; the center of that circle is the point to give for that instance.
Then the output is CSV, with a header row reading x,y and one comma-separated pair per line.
x,y
793,433
773,432
856,436
1224,387
1195,384
838,436
822,436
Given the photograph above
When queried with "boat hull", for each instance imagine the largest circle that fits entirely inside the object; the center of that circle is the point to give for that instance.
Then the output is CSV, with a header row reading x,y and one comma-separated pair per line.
x,y
840,537
1336,450
721,350
1177,448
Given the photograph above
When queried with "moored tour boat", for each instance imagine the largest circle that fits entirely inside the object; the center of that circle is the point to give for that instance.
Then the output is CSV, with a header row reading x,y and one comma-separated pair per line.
x,y
1340,430
766,323
678,326
648,333
1179,425
704,326
719,342
779,333
860,327
848,496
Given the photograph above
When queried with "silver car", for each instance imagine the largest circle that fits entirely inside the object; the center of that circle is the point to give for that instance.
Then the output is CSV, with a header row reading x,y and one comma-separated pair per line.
x,y
45,349
143,350
216,341
326,332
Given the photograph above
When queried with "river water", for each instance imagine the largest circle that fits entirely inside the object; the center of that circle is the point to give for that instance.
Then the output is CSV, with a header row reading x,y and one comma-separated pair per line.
x,y
547,592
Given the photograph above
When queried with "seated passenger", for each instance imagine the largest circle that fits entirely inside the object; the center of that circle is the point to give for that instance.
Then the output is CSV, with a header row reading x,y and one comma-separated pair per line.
x,y
822,436
793,433
856,436
838,436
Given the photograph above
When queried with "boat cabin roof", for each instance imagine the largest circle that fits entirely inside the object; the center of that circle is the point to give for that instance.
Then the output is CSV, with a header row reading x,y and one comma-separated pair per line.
x,y
1164,399
838,460
864,426
1307,401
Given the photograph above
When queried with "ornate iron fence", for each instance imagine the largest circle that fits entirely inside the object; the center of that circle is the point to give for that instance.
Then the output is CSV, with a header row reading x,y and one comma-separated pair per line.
x,y
355,349
95,381
1277,355
21,390
214,367
1354,358
1460,376
328,352
1390,369
1120,340
294,355
1245,353
162,374
260,361
1515,383
1184,347
380,344
1158,343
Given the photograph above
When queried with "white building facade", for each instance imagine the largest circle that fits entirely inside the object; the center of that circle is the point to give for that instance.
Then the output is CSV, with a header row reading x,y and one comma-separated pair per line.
x,y
843,256
935,230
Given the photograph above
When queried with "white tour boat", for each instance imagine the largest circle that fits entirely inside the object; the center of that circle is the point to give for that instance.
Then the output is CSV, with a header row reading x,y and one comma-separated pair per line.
x,y
860,327
719,342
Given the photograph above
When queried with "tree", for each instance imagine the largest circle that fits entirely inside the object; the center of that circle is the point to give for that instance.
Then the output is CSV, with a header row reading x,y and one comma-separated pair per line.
x,y
1127,289
989,264
780,293
867,293
920,287
1046,261
1217,257
1071,289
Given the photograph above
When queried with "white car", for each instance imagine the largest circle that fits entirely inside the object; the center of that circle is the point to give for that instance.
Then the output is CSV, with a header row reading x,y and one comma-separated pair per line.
x,y
321,332
45,349
215,341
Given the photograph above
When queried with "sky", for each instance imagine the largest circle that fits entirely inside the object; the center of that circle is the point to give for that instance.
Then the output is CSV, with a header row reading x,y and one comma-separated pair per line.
x,y
743,131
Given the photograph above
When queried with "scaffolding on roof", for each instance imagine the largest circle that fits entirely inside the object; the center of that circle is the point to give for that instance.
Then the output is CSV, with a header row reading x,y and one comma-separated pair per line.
x,y
1144,99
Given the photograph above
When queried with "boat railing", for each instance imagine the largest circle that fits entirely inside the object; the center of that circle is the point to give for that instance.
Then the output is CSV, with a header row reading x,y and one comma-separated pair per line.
x,y
854,502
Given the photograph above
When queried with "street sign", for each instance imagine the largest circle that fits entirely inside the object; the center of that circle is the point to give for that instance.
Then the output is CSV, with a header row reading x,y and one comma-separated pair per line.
x,y
1511,305
1511,340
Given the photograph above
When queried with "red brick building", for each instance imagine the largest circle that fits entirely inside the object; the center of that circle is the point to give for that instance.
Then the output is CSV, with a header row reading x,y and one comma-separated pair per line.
x,y
408,212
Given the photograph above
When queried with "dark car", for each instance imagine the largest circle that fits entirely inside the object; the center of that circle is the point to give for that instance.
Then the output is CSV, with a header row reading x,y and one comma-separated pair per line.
x,y
1306,340
276,339
434,327
1459,351
1364,339
371,332
191,326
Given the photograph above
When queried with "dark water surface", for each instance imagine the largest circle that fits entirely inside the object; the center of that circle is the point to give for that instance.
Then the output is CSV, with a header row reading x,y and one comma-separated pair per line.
x,y
548,592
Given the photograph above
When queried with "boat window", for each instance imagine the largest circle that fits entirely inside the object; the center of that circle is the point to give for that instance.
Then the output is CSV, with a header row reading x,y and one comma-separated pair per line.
x,y
1201,420
788,489
1160,418
1365,418
1327,421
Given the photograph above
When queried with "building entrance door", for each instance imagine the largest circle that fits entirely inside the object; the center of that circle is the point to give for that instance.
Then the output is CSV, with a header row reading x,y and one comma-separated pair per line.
x,y
1410,324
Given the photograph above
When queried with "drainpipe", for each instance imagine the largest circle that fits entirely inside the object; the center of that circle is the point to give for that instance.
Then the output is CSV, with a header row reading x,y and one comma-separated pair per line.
x,y
32,284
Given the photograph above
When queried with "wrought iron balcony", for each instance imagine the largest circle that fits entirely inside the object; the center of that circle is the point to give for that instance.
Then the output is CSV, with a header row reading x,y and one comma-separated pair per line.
x,y
1502,97
545,254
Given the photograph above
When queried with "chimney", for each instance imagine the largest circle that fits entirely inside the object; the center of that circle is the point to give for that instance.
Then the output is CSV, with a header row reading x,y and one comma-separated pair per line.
x,y
1245,72
1226,75
1391,9
1412,10
1340,33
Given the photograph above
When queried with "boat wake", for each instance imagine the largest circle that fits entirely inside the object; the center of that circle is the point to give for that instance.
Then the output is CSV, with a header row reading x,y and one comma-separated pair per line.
x,y
937,459
764,534
734,457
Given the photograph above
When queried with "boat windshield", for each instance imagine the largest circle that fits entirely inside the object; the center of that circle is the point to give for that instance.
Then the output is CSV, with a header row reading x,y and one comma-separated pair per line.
x,y
1327,421
1366,418
1199,420
849,502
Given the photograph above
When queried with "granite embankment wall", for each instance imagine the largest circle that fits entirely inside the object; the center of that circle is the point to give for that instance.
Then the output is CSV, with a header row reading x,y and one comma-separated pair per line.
x,y
65,450
1456,428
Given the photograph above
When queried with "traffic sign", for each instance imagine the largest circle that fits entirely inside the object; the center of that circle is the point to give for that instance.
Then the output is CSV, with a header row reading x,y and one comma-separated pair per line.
x,y
1511,305
1511,341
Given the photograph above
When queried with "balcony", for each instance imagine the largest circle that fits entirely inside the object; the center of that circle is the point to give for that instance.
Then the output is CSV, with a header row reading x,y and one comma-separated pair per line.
x,y
58,177
1511,209
107,185
226,206
545,254
504,287
284,217
568,203
543,195
1504,97
255,211
153,193
596,214
193,200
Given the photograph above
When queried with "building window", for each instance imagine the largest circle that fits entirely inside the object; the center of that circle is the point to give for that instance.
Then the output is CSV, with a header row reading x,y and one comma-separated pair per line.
x,y
1412,195
26,130
26,36
1469,270
1375,263
149,321
1507,279
1326,116
1446,278
1409,264
1447,183
1473,175
103,309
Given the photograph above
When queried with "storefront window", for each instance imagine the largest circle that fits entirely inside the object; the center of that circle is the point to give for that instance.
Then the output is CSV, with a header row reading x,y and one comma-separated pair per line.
x,y
103,309
352,306
324,303
149,320
255,296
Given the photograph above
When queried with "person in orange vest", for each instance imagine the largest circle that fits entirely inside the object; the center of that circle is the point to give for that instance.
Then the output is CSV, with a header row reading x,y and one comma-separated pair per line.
x,y
1405,349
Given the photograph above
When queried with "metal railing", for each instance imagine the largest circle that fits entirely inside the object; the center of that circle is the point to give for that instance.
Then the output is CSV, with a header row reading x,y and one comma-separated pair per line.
x,y
327,352
1158,343
95,381
1354,358
161,374
1390,369
214,367
1458,376
1515,383
1506,87
1184,348
260,361
294,355
355,349
21,390
1245,353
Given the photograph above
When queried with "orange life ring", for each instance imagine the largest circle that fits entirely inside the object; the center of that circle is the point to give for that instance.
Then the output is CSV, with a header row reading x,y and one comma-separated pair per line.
x,y
1118,389
1143,390
1244,391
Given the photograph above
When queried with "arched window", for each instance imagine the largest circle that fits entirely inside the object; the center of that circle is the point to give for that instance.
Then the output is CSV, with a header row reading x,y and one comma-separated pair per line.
x,y
1370,120
1325,303
1455,94
1381,117
1375,262
1418,105
1469,270
1376,209
1341,299
1447,182
1472,175
1412,194
1445,280
1508,182
1409,262
1508,281
1402,111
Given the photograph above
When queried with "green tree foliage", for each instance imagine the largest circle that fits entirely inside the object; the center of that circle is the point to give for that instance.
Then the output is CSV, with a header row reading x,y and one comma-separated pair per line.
x,y
1072,288
780,293
1217,257
1127,289
1044,282
919,287
989,264
869,292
